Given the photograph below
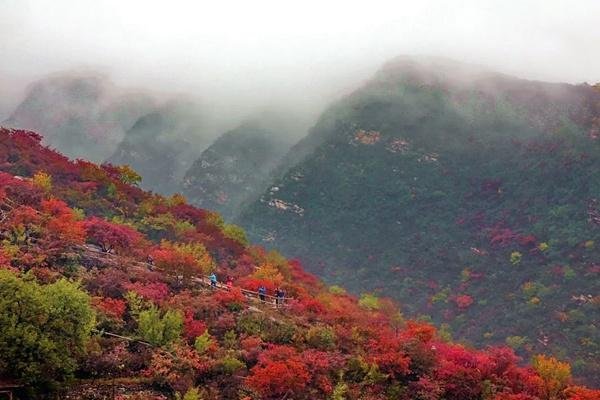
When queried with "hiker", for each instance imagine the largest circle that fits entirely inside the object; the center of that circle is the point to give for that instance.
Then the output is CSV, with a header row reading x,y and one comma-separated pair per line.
x,y
229,282
150,262
262,291
279,295
213,280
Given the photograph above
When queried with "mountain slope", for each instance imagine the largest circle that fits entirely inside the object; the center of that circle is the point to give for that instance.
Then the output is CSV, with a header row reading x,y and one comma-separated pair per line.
x,y
235,168
82,114
149,330
468,195
162,144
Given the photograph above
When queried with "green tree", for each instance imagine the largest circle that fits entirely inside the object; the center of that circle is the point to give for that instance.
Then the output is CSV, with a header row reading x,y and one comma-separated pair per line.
x,y
43,329
236,233
160,330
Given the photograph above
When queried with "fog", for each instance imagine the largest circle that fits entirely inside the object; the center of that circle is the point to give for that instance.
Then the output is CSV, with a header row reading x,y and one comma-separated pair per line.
x,y
250,55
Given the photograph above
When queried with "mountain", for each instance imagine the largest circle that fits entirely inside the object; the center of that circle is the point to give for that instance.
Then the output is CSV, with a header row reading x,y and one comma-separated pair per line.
x,y
468,195
236,168
82,114
162,144
102,293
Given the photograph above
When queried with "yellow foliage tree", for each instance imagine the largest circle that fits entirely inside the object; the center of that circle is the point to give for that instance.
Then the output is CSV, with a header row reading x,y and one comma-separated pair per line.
x,y
128,175
555,374
43,181
269,272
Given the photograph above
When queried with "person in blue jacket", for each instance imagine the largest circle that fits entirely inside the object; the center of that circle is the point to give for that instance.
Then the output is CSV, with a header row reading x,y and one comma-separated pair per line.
x,y
262,291
213,280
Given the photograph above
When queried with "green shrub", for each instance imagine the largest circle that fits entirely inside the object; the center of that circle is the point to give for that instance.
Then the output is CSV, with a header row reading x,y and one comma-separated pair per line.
x,y
335,289
251,324
369,301
515,258
230,339
280,333
191,394
158,330
203,342
516,342
230,365
321,337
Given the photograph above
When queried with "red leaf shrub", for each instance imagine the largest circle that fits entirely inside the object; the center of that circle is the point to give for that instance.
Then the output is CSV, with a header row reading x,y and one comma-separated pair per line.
x,y
279,370
582,393
251,347
155,292
111,236
463,301
114,308
62,227
192,327
231,298
387,352
502,236
4,260
178,369
527,240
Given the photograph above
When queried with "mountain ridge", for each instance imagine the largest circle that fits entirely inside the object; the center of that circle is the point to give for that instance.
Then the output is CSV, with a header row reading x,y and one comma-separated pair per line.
x,y
440,194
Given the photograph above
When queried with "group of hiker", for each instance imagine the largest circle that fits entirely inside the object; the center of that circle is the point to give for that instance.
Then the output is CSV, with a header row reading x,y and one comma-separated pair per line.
x,y
279,294
262,290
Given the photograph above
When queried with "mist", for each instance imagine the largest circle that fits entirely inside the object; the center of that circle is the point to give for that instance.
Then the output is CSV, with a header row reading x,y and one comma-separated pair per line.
x,y
246,57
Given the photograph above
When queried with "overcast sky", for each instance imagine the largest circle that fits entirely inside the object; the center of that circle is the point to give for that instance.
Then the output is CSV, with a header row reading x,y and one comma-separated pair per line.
x,y
260,52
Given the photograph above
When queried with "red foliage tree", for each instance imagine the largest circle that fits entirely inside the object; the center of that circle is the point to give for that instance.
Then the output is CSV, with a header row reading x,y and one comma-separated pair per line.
x,y
155,291
62,227
463,301
171,259
111,236
421,331
192,327
114,308
231,298
527,240
280,370
581,393
502,236
251,347
323,368
179,368
387,352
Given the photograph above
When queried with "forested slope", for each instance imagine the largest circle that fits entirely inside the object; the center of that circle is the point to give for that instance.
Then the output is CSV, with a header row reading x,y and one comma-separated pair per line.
x,y
469,196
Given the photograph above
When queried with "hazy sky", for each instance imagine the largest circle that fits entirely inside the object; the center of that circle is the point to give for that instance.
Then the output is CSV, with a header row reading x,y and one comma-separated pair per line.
x,y
261,52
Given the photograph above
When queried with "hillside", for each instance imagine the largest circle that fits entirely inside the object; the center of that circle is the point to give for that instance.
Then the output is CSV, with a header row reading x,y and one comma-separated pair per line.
x,y
469,196
162,144
101,292
82,114
236,168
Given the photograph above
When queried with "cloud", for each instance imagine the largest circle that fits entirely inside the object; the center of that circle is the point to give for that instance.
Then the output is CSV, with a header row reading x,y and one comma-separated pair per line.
x,y
247,53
